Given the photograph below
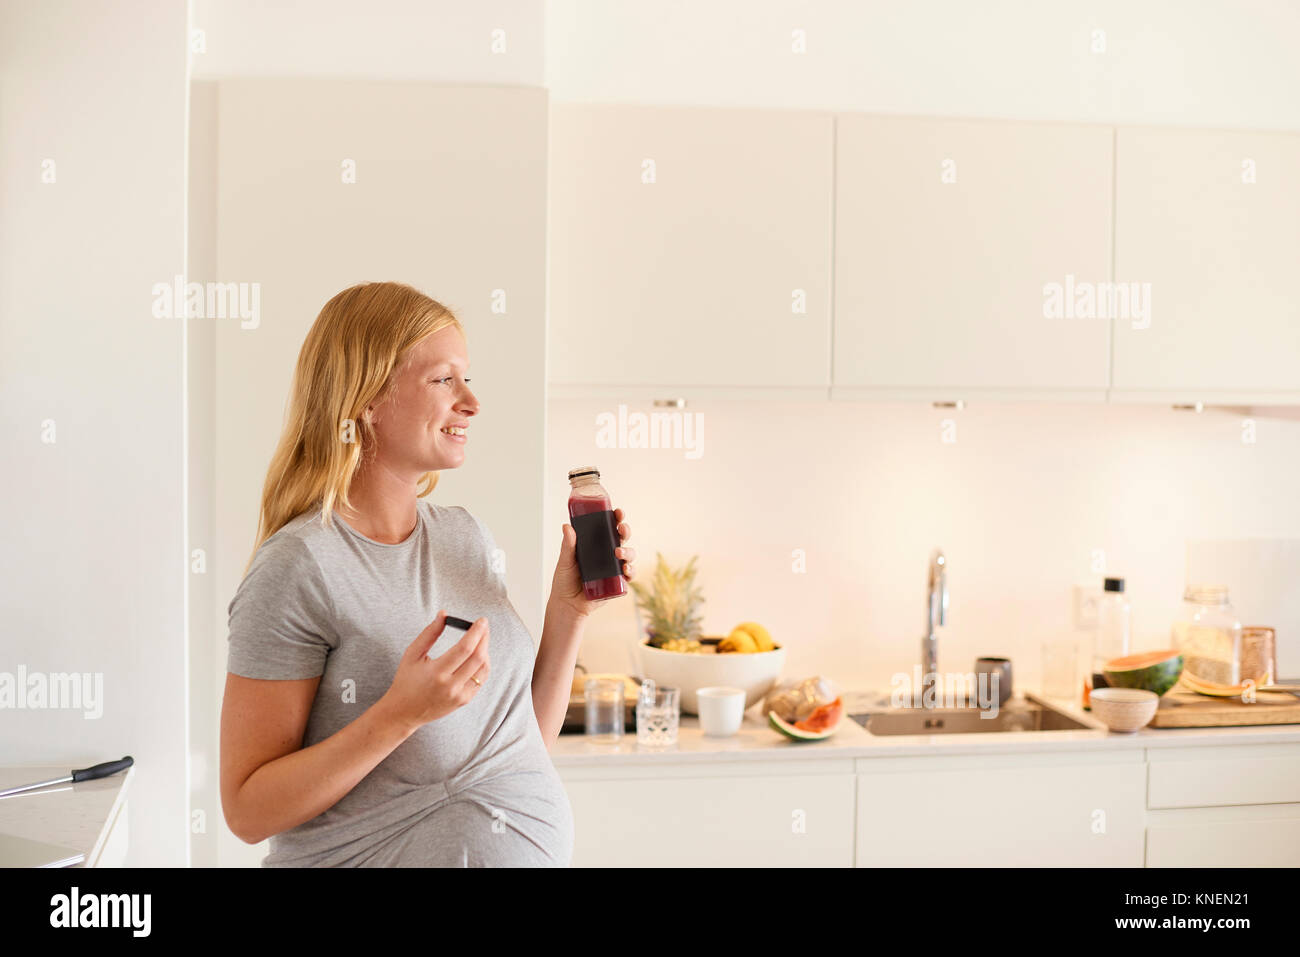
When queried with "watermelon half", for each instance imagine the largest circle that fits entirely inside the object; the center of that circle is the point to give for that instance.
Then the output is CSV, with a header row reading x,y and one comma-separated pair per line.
x,y
1156,671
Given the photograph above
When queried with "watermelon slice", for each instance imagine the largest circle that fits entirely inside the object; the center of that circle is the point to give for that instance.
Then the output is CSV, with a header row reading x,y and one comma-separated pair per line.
x,y
818,726
1156,671
824,718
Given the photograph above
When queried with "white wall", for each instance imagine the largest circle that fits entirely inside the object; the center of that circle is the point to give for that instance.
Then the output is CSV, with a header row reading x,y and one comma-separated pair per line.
x,y
1018,502
207,646
93,566
1175,62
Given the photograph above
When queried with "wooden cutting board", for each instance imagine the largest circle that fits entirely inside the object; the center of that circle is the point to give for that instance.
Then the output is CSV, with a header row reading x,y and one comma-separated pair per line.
x,y
1184,710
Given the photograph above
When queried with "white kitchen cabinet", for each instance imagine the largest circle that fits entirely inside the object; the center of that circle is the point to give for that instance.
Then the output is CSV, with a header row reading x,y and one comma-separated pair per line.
x,y
750,814
946,234
326,182
689,247
1224,806
1026,810
1262,835
1224,775
1211,220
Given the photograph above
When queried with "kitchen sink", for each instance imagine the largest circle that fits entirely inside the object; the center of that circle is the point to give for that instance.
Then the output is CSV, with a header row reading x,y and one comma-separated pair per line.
x,y
1015,715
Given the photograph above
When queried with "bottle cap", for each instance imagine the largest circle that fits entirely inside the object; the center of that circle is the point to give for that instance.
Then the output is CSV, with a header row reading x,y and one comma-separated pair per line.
x,y
1113,584
583,470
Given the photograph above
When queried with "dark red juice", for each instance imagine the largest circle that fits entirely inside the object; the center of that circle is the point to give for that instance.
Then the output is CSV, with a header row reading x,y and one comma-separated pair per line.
x,y
593,521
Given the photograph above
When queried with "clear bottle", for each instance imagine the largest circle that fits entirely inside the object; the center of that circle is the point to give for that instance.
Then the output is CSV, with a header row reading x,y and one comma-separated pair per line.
x,y
1111,638
1209,635
592,519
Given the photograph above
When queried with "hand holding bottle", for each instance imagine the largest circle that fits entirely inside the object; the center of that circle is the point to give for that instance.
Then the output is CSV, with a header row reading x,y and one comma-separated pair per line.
x,y
567,585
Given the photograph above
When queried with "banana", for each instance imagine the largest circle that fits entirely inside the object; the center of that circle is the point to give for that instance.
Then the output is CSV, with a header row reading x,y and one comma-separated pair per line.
x,y
762,638
740,641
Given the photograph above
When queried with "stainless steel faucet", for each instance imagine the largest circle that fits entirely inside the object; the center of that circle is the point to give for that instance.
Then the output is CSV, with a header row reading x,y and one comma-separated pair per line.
x,y
936,614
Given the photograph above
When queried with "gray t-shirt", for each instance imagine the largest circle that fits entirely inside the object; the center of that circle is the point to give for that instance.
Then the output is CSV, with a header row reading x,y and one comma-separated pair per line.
x,y
474,788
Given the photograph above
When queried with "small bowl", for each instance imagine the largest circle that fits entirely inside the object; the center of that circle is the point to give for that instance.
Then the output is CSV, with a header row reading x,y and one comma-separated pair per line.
x,y
1125,710
753,672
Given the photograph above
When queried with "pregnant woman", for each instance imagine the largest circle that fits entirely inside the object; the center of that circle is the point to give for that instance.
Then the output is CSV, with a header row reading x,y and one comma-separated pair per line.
x,y
358,729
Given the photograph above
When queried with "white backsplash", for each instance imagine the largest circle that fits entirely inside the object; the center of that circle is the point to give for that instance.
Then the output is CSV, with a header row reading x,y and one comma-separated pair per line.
x,y
1018,502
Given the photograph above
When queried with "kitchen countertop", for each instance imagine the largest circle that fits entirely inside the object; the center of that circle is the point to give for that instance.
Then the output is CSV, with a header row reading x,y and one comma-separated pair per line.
x,y
757,742
78,815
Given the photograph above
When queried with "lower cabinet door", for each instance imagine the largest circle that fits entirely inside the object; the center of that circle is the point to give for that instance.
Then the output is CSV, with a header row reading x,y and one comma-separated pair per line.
x,y
1025,810
799,820
1266,835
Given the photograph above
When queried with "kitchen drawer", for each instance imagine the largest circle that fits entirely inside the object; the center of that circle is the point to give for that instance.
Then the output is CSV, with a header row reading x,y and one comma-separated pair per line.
x,y
998,810
794,820
1259,836
1223,776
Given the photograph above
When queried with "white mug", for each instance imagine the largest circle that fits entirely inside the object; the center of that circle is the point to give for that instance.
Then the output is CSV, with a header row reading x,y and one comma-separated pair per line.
x,y
721,710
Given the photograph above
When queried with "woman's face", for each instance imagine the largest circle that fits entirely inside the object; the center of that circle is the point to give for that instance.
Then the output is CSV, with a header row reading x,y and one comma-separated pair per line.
x,y
429,396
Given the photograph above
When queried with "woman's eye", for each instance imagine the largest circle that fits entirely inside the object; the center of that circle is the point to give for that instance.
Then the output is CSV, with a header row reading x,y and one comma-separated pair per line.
x,y
447,379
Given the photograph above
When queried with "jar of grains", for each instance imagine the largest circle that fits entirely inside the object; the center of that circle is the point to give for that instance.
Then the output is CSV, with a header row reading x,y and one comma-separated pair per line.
x,y
1208,634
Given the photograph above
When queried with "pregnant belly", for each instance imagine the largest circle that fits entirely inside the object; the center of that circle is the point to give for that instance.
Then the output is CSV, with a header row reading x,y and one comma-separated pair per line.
x,y
475,830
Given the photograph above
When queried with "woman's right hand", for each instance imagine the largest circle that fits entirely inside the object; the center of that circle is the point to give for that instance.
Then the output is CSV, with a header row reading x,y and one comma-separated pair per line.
x,y
425,689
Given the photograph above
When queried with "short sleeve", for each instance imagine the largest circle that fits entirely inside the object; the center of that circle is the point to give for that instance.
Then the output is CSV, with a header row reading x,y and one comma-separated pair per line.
x,y
281,618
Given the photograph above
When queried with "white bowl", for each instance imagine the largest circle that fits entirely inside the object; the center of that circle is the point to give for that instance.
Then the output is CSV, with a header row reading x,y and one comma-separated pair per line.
x,y
755,673
1124,709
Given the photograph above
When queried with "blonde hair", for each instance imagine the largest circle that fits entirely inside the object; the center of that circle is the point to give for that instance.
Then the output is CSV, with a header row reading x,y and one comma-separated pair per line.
x,y
347,362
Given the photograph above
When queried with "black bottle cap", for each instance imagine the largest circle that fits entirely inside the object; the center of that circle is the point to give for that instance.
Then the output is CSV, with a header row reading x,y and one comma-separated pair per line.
x,y
1113,584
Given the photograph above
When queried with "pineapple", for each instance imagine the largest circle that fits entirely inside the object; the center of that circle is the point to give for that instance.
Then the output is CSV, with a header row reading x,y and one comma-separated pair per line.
x,y
672,607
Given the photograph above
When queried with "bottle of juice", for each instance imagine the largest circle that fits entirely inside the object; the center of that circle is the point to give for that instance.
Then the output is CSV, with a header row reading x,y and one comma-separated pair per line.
x,y
593,520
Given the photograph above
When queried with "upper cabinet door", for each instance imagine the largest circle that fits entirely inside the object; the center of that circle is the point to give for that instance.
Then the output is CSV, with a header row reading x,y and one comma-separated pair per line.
x,y
1211,220
690,247
961,251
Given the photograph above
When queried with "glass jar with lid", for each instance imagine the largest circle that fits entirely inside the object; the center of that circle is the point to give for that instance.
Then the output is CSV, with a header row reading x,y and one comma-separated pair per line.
x,y
1208,633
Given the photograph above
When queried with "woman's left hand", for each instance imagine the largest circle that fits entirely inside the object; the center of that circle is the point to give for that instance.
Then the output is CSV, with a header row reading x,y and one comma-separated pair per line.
x,y
566,586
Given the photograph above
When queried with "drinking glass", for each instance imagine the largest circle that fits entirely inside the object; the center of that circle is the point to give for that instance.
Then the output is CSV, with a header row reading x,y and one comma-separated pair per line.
x,y
1259,655
658,712
604,699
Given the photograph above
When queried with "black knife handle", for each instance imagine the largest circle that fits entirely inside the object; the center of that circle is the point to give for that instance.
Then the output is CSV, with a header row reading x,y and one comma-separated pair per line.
x,y
103,770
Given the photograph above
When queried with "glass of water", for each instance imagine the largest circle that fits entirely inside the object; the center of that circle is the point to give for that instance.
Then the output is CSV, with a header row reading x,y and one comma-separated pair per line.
x,y
604,699
658,712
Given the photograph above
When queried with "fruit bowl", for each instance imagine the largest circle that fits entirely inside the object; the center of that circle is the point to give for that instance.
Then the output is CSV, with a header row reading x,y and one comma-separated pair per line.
x,y
755,672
